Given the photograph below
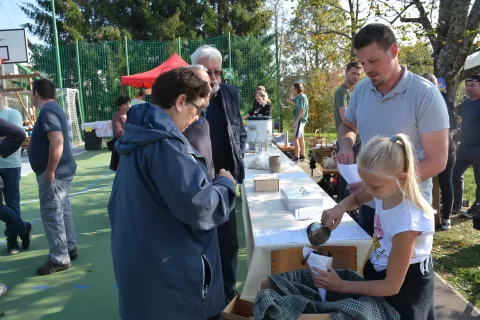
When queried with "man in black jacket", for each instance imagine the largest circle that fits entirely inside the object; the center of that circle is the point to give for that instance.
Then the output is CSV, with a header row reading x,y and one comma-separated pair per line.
x,y
228,137
11,139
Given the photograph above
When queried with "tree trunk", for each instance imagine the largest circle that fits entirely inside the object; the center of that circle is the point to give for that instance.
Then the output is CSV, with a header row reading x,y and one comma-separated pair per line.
x,y
452,39
452,87
452,80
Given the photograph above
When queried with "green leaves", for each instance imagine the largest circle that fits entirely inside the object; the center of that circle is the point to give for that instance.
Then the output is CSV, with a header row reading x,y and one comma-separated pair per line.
x,y
104,20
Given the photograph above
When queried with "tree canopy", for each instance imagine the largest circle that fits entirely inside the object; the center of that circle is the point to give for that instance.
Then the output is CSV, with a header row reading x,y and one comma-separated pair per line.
x,y
147,20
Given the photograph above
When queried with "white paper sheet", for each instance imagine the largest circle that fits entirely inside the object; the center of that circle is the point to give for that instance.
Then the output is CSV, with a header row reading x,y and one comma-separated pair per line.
x,y
349,172
307,213
345,231
280,236
349,231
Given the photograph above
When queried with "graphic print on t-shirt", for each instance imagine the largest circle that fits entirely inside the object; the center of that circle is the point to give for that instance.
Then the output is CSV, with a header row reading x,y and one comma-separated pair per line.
x,y
377,235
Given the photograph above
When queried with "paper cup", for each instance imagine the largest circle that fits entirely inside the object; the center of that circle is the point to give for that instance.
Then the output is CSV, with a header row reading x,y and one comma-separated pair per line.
x,y
274,164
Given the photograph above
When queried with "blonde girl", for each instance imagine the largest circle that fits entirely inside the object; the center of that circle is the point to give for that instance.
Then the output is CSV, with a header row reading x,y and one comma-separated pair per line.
x,y
262,97
262,106
400,266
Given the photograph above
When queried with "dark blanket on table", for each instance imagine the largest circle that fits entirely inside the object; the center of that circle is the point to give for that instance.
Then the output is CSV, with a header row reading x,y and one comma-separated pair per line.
x,y
295,293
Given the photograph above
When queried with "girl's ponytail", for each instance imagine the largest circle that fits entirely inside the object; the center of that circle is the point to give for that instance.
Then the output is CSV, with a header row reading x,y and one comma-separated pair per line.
x,y
384,156
410,186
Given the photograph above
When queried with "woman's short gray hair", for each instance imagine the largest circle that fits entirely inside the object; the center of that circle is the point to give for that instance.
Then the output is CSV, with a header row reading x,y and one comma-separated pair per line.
x,y
194,67
206,52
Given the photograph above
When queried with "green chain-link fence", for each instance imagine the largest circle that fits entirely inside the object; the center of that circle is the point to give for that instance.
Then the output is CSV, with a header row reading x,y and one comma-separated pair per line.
x,y
99,66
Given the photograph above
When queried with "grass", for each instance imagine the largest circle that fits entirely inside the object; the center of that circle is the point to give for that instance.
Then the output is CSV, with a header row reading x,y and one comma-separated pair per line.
x,y
456,252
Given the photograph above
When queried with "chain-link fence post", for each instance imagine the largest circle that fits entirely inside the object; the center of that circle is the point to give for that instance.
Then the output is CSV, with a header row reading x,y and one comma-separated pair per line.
x,y
127,63
277,91
179,49
80,82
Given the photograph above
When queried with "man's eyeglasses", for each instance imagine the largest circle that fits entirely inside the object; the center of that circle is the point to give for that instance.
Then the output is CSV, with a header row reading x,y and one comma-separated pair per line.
x,y
199,110
217,73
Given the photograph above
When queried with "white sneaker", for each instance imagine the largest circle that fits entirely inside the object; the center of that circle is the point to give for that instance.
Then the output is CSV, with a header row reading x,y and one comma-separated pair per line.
x,y
3,289
445,224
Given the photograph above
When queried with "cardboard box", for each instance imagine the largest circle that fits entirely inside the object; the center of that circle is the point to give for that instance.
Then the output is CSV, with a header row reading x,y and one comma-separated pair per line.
x,y
266,183
239,309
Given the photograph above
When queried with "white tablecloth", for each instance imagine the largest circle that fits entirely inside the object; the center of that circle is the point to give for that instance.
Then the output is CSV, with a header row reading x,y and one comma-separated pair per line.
x,y
265,210
103,129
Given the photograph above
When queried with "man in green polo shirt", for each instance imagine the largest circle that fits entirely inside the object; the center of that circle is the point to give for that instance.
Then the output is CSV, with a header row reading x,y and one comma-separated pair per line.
x,y
341,100
342,94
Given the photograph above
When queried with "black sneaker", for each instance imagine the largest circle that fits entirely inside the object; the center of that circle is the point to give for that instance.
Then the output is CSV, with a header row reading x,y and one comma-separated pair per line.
x,y
302,158
294,159
26,237
73,254
13,247
468,213
474,209
52,267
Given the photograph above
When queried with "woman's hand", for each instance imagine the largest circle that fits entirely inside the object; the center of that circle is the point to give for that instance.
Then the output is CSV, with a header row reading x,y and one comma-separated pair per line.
x,y
227,174
332,217
327,280
260,101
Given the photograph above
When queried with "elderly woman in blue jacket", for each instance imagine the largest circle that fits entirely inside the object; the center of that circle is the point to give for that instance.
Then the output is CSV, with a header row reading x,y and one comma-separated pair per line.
x,y
164,209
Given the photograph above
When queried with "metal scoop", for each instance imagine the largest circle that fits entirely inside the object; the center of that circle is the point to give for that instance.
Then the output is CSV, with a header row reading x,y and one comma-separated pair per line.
x,y
318,233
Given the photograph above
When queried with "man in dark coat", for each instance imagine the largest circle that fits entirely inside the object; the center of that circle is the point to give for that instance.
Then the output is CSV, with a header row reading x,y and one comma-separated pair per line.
x,y
228,138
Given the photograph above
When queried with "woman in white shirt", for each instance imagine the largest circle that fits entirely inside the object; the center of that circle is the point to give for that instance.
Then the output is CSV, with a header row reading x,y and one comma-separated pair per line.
x,y
400,266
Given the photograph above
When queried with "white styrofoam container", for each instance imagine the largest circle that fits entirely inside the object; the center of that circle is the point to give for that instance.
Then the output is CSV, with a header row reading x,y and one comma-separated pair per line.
x,y
296,198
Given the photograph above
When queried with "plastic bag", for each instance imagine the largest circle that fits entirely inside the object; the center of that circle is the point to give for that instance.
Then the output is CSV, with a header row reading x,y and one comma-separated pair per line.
x,y
260,162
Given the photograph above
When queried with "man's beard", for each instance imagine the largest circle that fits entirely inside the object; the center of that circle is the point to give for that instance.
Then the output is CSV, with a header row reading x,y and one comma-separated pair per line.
x,y
352,83
215,86
377,83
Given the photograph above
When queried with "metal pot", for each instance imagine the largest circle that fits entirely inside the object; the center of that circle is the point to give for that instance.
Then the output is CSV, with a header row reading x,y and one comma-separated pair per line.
x,y
318,233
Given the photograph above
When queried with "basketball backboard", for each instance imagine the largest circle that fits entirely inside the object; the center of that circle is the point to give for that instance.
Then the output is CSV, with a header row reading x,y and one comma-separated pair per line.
x,y
13,46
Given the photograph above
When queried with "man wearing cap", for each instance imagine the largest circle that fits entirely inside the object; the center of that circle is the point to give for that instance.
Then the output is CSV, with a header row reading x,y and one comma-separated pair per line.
x,y
468,147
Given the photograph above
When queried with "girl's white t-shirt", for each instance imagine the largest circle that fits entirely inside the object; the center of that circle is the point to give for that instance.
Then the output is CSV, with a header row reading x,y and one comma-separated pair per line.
x,y
404,217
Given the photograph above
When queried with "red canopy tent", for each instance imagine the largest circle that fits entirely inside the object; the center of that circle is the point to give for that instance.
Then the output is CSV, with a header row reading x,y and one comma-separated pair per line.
x,y
146,79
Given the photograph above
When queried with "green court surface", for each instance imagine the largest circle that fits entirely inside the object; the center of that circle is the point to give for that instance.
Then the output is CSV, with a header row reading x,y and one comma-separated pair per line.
x,y
87,290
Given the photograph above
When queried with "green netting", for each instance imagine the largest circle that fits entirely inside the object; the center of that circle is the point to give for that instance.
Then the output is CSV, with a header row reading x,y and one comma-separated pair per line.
x,y
102,64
